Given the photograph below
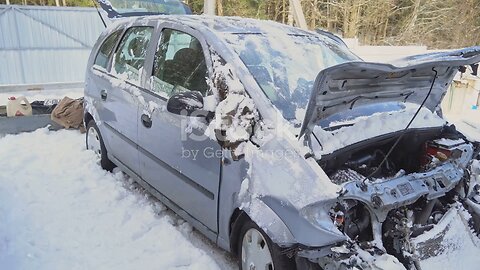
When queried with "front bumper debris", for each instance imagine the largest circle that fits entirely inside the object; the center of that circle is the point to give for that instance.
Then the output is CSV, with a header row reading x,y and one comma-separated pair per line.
x,y
451,237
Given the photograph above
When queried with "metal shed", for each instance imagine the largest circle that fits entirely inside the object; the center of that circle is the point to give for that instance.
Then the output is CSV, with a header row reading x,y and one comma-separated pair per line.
x,y
46,44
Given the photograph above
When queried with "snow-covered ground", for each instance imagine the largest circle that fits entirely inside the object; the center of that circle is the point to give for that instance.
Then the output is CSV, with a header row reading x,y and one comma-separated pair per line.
x,y
42,95
465,125
60,210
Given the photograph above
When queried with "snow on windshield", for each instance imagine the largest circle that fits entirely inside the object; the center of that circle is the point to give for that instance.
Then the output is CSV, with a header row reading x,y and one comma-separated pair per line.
x,y
285,65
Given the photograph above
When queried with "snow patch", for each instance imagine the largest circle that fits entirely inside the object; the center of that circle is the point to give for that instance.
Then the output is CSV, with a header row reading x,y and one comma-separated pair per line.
x,y
367,127
235,111
279,171
60,210
42,95
449,142
459,247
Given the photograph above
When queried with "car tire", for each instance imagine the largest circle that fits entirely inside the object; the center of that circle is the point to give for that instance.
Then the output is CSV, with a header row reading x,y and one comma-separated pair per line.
x,y
257,251
94,142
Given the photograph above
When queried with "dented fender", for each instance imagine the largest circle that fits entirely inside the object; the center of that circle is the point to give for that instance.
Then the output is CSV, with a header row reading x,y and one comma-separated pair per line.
x,y
270,222
286,225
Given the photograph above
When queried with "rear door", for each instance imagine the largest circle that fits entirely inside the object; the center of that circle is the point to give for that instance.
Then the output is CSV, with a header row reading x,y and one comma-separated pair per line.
x,y
176,158
118,90
98,81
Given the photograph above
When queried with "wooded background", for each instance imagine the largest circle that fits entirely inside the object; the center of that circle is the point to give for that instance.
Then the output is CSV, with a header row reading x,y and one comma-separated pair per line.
x,y
438,24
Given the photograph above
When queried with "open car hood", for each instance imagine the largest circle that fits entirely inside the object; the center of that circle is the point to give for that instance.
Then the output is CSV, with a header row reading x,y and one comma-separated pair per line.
x,y
129,8
342,87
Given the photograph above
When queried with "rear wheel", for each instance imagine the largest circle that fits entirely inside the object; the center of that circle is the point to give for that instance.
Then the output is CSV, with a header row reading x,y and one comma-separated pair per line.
x,y
95,143
258,252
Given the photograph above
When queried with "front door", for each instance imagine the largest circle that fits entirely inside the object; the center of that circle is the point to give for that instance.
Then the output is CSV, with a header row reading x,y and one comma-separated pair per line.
x,y
176,158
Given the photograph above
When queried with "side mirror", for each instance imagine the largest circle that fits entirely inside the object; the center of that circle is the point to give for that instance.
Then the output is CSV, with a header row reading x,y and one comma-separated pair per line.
x,y
186,103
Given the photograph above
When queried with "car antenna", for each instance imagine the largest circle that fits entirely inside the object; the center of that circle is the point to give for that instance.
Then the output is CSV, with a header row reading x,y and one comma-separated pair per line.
x,y
363,185
99,14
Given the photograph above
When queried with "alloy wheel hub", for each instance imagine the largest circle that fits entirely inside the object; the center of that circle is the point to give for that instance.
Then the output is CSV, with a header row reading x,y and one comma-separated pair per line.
x,y
255,252
93,141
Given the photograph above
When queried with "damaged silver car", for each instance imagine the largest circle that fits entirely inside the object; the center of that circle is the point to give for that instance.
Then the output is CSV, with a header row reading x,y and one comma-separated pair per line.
x,y
279,144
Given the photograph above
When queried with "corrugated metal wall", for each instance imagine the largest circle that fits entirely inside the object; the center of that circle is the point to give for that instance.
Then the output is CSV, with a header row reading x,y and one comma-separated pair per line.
x,y
46,44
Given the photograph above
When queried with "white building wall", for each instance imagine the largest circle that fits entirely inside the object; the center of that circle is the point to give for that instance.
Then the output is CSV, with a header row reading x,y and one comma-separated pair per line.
x,y
46,44
383,53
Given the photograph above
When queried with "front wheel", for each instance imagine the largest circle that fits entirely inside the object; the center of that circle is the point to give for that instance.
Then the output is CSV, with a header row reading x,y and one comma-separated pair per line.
x,y
95,143
258,252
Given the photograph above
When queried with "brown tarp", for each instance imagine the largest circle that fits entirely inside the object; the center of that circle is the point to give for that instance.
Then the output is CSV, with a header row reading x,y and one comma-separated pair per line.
x,y
69,113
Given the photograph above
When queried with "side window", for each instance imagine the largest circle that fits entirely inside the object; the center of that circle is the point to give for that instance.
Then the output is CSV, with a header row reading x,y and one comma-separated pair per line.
x,y
179,64
106,49
130,55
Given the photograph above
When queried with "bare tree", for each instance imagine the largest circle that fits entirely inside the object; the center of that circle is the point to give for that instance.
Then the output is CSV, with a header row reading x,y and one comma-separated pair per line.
x,y
435,23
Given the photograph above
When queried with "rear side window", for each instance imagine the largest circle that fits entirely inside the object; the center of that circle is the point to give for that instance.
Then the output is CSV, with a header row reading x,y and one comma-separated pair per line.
x,y
130,55
179,64
106,49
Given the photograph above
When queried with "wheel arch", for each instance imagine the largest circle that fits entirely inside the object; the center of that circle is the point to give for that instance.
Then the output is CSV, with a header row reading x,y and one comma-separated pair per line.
x,y
265,218
238,218
87,117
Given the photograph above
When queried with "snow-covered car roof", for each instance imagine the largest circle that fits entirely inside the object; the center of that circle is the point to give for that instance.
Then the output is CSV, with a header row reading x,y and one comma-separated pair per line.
x,y
226,24
236,24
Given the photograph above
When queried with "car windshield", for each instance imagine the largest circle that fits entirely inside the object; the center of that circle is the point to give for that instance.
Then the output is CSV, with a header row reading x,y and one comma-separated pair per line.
x,y
285,65
148,6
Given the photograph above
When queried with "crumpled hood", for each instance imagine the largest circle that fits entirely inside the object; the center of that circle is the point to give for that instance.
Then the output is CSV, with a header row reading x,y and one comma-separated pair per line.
x,y
344,86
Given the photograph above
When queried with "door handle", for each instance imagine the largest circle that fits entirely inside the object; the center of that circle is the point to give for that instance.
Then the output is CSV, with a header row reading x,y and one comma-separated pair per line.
x,y
103,94
146,121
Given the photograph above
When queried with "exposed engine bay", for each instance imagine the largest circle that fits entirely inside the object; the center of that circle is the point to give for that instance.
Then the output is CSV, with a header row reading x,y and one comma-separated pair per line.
x,y
382,208
418,151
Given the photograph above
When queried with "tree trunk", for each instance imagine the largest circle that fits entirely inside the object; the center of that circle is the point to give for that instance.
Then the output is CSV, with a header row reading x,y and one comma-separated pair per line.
x,y
220,7
411,24
385,29
290,15
208,7
329,19
313,18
